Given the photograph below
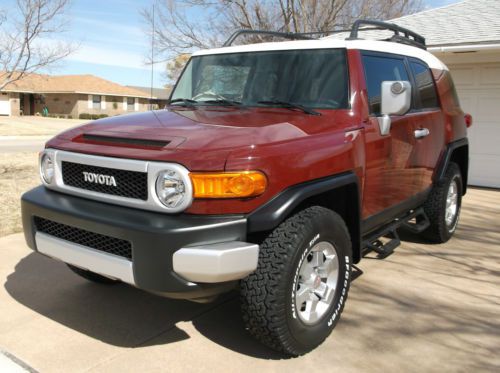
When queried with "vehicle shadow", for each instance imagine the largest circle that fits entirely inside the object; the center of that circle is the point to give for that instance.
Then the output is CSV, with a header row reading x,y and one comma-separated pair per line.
x,y
123,316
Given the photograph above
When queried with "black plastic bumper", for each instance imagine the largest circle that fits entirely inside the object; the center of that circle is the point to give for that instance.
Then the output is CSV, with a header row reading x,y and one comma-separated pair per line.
x,y
154,236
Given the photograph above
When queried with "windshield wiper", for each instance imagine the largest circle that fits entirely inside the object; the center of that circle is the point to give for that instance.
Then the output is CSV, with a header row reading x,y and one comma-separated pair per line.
x,y
223,102
289,105
184,101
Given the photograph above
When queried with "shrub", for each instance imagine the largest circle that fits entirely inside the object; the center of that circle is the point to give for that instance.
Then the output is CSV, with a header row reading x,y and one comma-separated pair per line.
x,y
92,116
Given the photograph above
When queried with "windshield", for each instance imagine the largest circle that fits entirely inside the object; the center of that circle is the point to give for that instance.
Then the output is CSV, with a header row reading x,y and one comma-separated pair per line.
x,y
312,78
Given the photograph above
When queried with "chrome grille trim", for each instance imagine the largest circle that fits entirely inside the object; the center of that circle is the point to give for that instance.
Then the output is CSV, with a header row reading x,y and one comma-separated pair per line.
x,y
151,168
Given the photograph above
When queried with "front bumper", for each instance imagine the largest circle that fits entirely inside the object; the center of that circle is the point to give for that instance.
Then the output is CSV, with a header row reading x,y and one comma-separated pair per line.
x,y
180,256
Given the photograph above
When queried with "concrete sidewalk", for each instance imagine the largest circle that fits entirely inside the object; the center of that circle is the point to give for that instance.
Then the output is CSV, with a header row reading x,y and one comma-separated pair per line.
x,y
15,144
426,308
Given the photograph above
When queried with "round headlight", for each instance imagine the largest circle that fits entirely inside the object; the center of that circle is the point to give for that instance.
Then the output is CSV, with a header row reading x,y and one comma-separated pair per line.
x,y
47,168
171,189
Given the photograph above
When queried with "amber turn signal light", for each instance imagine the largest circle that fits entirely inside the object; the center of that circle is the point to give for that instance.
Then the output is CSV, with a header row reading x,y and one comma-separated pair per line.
x,y
228,184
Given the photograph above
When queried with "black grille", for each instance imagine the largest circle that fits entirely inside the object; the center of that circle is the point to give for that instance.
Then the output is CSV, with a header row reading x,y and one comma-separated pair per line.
x,y
93,240
131,184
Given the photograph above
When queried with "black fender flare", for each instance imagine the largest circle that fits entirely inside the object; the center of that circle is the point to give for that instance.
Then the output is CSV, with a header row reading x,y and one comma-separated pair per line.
x,y
452,148
275,211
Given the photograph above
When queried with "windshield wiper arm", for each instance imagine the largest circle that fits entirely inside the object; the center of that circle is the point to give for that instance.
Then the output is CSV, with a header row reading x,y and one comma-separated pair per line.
x,y
289,105
223,102
184,101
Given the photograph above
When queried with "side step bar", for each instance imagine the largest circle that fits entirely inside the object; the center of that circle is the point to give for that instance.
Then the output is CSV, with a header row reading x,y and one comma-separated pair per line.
x,y
373,243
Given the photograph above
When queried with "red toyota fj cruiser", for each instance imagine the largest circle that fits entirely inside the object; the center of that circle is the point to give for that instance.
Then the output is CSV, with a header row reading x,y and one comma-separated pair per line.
x,y
274,168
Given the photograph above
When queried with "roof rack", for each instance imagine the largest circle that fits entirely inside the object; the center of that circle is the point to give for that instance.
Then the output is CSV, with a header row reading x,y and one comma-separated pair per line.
x,y
409,37
401,34
285,35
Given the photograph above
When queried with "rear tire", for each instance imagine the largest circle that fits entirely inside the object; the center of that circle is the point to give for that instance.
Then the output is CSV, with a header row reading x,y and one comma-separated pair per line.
x,y
294,299
443,206
91,276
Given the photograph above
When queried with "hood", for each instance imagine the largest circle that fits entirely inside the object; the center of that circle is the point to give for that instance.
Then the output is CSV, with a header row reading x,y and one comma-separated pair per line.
x,y
215,128
210,132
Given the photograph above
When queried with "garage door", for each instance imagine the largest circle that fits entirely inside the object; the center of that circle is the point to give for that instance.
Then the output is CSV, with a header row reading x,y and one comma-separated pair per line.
x,y
478,87
4,104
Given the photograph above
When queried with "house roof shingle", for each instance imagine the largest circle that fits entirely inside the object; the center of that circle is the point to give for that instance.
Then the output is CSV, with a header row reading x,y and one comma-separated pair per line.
x,y
467,22
86,84
158,93
464,23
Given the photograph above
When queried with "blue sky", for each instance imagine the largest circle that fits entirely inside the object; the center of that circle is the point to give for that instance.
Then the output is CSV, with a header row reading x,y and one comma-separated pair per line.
x,y
113,43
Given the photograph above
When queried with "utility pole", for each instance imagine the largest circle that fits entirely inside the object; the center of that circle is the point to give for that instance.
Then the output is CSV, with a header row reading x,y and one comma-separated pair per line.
x,y
152,58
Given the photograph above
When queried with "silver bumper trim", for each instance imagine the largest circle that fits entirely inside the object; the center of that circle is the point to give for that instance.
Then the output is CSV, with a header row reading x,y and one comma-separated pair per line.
x,y
85,257
217,262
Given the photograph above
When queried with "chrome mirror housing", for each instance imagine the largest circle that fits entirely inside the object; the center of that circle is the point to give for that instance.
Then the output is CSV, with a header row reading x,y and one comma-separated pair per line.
x,y
395,100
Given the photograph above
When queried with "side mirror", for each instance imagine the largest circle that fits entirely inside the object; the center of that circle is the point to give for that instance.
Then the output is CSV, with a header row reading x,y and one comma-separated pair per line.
x,y
395,100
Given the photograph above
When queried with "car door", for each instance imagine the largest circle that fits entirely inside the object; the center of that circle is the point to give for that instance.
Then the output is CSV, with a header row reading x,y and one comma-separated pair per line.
x,y
390,177
428,124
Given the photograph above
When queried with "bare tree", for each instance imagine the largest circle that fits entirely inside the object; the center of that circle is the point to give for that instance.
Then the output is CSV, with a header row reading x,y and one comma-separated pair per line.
x,y
176,65
185,25
26,43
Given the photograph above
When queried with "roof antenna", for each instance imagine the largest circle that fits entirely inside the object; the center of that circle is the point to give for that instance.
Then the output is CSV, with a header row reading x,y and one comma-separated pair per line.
x,y
152,58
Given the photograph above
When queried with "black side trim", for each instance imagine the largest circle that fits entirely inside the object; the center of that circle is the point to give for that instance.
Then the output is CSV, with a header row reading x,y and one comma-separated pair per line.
x,y
271,214
448,155
380,219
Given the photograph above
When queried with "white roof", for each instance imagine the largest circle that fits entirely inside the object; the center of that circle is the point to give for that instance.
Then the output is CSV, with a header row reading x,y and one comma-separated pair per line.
x,y
370,45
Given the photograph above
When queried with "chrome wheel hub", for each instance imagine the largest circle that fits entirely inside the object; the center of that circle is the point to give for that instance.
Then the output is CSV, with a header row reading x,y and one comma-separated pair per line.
x,y
451,203
317,282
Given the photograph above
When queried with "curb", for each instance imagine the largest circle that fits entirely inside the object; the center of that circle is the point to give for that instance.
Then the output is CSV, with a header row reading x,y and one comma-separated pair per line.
x,y
9,363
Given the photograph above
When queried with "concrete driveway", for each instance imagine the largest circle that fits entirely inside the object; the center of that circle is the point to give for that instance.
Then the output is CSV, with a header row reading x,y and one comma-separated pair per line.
x,y
426,308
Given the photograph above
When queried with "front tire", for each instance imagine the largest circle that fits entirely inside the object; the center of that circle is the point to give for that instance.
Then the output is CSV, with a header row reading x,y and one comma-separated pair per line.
x,y
294,299
443,206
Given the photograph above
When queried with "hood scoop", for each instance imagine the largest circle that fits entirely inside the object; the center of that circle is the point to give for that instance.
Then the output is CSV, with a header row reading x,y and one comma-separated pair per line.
x,y
124,141
140,138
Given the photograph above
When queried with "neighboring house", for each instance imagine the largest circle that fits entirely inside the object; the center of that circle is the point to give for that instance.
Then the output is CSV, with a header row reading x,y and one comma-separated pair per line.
x,y
160,95
70,96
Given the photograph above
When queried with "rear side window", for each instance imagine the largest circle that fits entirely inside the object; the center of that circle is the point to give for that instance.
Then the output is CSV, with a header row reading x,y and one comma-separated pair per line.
x,y
380,69
425,85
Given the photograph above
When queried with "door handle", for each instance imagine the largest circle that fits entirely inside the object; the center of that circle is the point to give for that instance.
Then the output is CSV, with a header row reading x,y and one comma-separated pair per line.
x,y
422,132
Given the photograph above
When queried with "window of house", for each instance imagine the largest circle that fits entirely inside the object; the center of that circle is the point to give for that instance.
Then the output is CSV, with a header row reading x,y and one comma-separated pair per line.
x,y
130,103
380,69
96,102
425,85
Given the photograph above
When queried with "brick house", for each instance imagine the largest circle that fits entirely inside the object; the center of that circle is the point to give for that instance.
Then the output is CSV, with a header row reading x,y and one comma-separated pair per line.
x,y
70,96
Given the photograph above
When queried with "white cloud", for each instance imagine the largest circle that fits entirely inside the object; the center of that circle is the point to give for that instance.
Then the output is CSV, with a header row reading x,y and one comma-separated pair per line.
x,y
112,28
106,56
